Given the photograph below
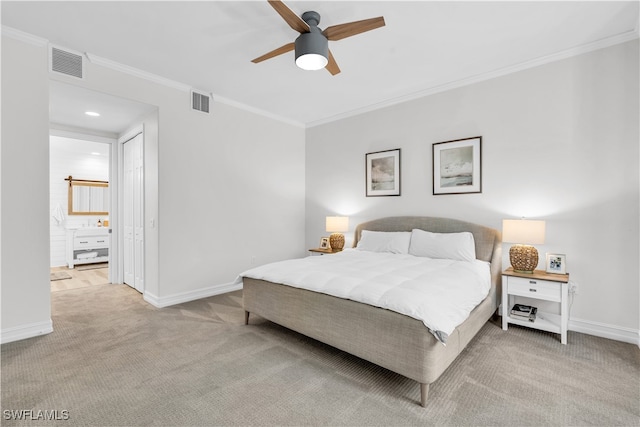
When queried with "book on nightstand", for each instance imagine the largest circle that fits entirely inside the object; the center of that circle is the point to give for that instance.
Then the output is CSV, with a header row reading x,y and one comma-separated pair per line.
x,y
524,312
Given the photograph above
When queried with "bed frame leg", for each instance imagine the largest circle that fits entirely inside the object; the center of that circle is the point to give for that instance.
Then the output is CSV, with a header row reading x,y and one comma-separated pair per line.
x,y
424,393
246,317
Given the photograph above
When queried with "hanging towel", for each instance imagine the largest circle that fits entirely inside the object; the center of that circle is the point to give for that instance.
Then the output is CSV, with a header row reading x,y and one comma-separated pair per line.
x,y
57,214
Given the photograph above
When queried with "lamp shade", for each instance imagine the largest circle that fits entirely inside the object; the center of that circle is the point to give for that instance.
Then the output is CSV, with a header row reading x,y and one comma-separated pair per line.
x,y
337,224
523,231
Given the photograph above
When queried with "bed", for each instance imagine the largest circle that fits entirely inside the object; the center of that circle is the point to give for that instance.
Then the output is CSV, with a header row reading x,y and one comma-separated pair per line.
x,y
395,341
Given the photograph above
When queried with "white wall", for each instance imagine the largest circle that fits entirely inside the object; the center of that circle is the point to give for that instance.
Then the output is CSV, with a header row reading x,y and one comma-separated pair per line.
x,y
230,189
229,183
70,156
560,143
24,289
225,190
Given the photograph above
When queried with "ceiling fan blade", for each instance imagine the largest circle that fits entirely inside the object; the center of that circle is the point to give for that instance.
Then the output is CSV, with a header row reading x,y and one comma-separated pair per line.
x,y
279,51
289,16
341,31
332,65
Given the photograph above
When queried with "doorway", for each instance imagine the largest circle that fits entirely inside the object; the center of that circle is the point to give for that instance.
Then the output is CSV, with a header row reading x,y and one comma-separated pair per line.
x,y
79,168
116,118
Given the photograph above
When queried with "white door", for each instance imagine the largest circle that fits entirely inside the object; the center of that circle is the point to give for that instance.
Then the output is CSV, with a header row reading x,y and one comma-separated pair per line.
x,y
133,214
138,214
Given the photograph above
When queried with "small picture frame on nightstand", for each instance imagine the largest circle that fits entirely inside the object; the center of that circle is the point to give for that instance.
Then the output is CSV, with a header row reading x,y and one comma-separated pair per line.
x,y
324,243
556,263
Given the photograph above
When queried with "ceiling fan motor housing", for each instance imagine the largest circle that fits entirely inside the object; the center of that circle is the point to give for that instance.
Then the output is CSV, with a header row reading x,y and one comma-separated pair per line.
x,y
312,43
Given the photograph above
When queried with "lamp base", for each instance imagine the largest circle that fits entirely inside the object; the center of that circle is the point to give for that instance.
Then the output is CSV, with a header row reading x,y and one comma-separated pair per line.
x,y
336,240
523,258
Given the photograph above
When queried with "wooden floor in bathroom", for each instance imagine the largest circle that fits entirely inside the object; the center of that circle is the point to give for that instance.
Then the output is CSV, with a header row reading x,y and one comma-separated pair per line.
x,y
80,278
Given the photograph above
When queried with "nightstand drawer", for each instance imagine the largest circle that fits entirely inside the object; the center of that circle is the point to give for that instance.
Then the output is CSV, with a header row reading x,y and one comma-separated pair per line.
x,y
534,288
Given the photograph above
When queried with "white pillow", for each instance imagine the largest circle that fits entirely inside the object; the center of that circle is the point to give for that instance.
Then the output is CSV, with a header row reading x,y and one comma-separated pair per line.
x,y
455,246
396,242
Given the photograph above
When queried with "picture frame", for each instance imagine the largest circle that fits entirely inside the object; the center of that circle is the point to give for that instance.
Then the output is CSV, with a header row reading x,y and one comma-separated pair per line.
x,y
556,263
324,243
457,166
382,173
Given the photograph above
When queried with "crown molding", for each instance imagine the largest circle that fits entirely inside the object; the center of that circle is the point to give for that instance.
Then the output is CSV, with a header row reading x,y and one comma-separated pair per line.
x,y
24,37
107,63
242,106
438,88
116,66
445,86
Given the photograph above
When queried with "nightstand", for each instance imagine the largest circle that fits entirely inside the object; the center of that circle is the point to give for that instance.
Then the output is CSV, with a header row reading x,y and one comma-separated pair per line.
x,y
541,286
323,251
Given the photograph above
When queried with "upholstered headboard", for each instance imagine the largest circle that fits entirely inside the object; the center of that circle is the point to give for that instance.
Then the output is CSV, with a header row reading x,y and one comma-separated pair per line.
x,y
488,241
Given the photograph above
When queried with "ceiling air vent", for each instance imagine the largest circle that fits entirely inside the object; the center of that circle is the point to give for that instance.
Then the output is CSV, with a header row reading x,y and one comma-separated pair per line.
x,y
66,62
200,101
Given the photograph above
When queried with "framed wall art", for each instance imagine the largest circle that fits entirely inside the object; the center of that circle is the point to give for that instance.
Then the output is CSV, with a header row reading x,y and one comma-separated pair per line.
x,y
457,166
383,173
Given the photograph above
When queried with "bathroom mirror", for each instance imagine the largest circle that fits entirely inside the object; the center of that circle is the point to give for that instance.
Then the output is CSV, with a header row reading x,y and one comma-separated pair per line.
x,y
88,197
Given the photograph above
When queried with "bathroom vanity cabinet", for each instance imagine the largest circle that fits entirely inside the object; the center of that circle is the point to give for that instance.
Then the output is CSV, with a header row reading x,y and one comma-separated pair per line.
x,y
87,245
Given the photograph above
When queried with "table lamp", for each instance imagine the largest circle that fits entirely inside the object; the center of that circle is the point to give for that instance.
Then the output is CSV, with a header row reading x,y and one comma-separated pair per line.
x,y
523,232
337,225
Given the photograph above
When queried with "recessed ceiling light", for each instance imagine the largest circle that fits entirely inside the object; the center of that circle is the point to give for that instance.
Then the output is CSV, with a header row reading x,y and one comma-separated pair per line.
x,y
92,113
95,154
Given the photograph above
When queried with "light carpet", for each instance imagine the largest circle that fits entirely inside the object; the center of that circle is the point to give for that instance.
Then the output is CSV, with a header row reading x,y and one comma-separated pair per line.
x,y
114,360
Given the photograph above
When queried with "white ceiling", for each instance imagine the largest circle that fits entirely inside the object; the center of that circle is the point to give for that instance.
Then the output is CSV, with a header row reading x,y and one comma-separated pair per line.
x,y
68,105
424,47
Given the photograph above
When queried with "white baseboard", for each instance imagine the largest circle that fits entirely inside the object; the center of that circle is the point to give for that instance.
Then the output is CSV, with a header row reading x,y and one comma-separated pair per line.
x,y
602,330
22,332
605,331
174,299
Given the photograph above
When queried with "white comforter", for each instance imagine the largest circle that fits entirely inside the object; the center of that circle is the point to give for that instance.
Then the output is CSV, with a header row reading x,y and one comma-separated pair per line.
x,y
439,292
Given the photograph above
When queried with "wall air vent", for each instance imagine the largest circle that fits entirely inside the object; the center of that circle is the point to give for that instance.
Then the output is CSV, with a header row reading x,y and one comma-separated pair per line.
x,y
66,62
200,101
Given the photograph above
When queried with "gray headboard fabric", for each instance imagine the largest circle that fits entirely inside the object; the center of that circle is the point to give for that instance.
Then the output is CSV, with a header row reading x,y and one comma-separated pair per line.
x,y
485,238
488,241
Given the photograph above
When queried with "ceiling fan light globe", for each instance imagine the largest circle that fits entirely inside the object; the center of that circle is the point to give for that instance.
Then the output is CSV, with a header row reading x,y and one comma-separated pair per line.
x,y
312,50
311,62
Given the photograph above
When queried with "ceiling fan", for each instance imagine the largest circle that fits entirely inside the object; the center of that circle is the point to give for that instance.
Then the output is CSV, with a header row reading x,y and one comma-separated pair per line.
x,y
312,45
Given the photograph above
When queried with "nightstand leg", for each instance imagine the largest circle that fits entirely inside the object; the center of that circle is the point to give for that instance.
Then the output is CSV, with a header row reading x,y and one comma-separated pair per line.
x,y
564,313
505,306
